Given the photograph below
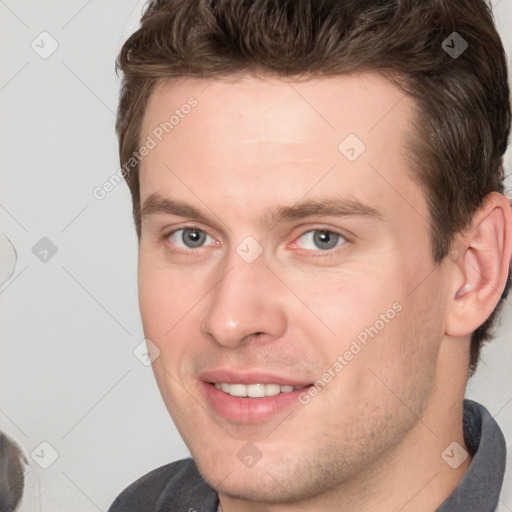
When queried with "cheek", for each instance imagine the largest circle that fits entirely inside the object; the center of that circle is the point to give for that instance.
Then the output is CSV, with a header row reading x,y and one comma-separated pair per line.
x,y
160,307
348,301
402,359
165,295
376,321
153,299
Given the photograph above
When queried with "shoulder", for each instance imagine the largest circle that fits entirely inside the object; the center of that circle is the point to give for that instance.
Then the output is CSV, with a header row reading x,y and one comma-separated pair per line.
x,y
175,486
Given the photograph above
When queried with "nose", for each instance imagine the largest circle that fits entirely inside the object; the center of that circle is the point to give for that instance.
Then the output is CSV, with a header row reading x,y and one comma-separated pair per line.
x,y
247,300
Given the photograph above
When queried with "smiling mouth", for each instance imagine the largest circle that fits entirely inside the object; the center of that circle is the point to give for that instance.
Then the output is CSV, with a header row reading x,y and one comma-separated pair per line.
x,y
254,390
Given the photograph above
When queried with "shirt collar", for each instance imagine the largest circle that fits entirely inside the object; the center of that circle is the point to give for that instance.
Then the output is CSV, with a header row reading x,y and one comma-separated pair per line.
x,y
479,489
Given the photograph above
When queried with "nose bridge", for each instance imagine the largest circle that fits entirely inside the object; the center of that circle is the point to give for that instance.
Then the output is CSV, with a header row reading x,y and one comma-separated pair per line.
x,y
243,300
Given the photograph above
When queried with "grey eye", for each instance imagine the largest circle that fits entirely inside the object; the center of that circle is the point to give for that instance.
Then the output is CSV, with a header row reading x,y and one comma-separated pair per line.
x,y
320,239
193,238
325,239
190,238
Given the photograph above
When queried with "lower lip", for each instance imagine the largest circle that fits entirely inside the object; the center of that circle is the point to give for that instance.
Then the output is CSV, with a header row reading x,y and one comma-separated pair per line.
x,y
249,410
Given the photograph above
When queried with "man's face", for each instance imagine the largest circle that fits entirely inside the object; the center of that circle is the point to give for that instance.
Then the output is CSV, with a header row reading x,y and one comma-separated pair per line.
x,y
267,288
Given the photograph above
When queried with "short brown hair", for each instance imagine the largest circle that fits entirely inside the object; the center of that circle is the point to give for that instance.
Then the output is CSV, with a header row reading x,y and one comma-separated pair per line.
x,y
464,101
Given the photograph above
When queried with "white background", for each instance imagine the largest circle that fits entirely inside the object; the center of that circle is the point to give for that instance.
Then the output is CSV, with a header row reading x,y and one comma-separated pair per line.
x,y
69,326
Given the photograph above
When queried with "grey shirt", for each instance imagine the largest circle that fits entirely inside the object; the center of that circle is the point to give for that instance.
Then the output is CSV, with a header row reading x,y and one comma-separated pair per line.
x,y
178,487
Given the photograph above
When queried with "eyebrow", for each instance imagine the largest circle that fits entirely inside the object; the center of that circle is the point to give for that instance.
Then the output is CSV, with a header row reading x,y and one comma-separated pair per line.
x,y
330,206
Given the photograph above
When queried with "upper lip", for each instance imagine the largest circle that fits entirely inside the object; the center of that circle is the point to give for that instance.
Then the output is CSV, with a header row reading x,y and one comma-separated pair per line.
x,y
249,377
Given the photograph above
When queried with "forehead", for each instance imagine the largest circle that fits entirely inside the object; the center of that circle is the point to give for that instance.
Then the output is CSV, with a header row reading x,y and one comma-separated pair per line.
x,y
278,109
277,139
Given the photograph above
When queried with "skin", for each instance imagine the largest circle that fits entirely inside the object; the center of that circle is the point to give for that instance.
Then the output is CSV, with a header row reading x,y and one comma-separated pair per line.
x,y
371,439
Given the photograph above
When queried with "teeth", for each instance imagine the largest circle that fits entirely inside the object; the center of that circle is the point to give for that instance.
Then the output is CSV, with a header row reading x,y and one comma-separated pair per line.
x,y
254,390
272,389
237,390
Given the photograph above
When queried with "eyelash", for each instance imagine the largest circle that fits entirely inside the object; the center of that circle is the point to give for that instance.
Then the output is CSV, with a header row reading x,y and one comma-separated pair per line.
x,y
322,253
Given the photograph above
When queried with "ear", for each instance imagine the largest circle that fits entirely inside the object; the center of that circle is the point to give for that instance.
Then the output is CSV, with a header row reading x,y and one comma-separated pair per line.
x,y
481,266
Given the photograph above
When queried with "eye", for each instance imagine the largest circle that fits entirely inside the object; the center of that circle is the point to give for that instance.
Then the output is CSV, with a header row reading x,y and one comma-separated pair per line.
x,y
189,238
322,239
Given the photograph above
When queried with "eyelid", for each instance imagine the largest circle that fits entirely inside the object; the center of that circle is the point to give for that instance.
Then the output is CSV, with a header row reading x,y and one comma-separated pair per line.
x,y
169,232
336,231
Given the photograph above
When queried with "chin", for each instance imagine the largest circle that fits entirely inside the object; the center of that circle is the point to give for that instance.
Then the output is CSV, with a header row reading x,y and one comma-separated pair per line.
x,y
276,480
254,485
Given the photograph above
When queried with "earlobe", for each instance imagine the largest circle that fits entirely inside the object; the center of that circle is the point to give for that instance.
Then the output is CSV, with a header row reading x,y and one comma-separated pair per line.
x,y
483,267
